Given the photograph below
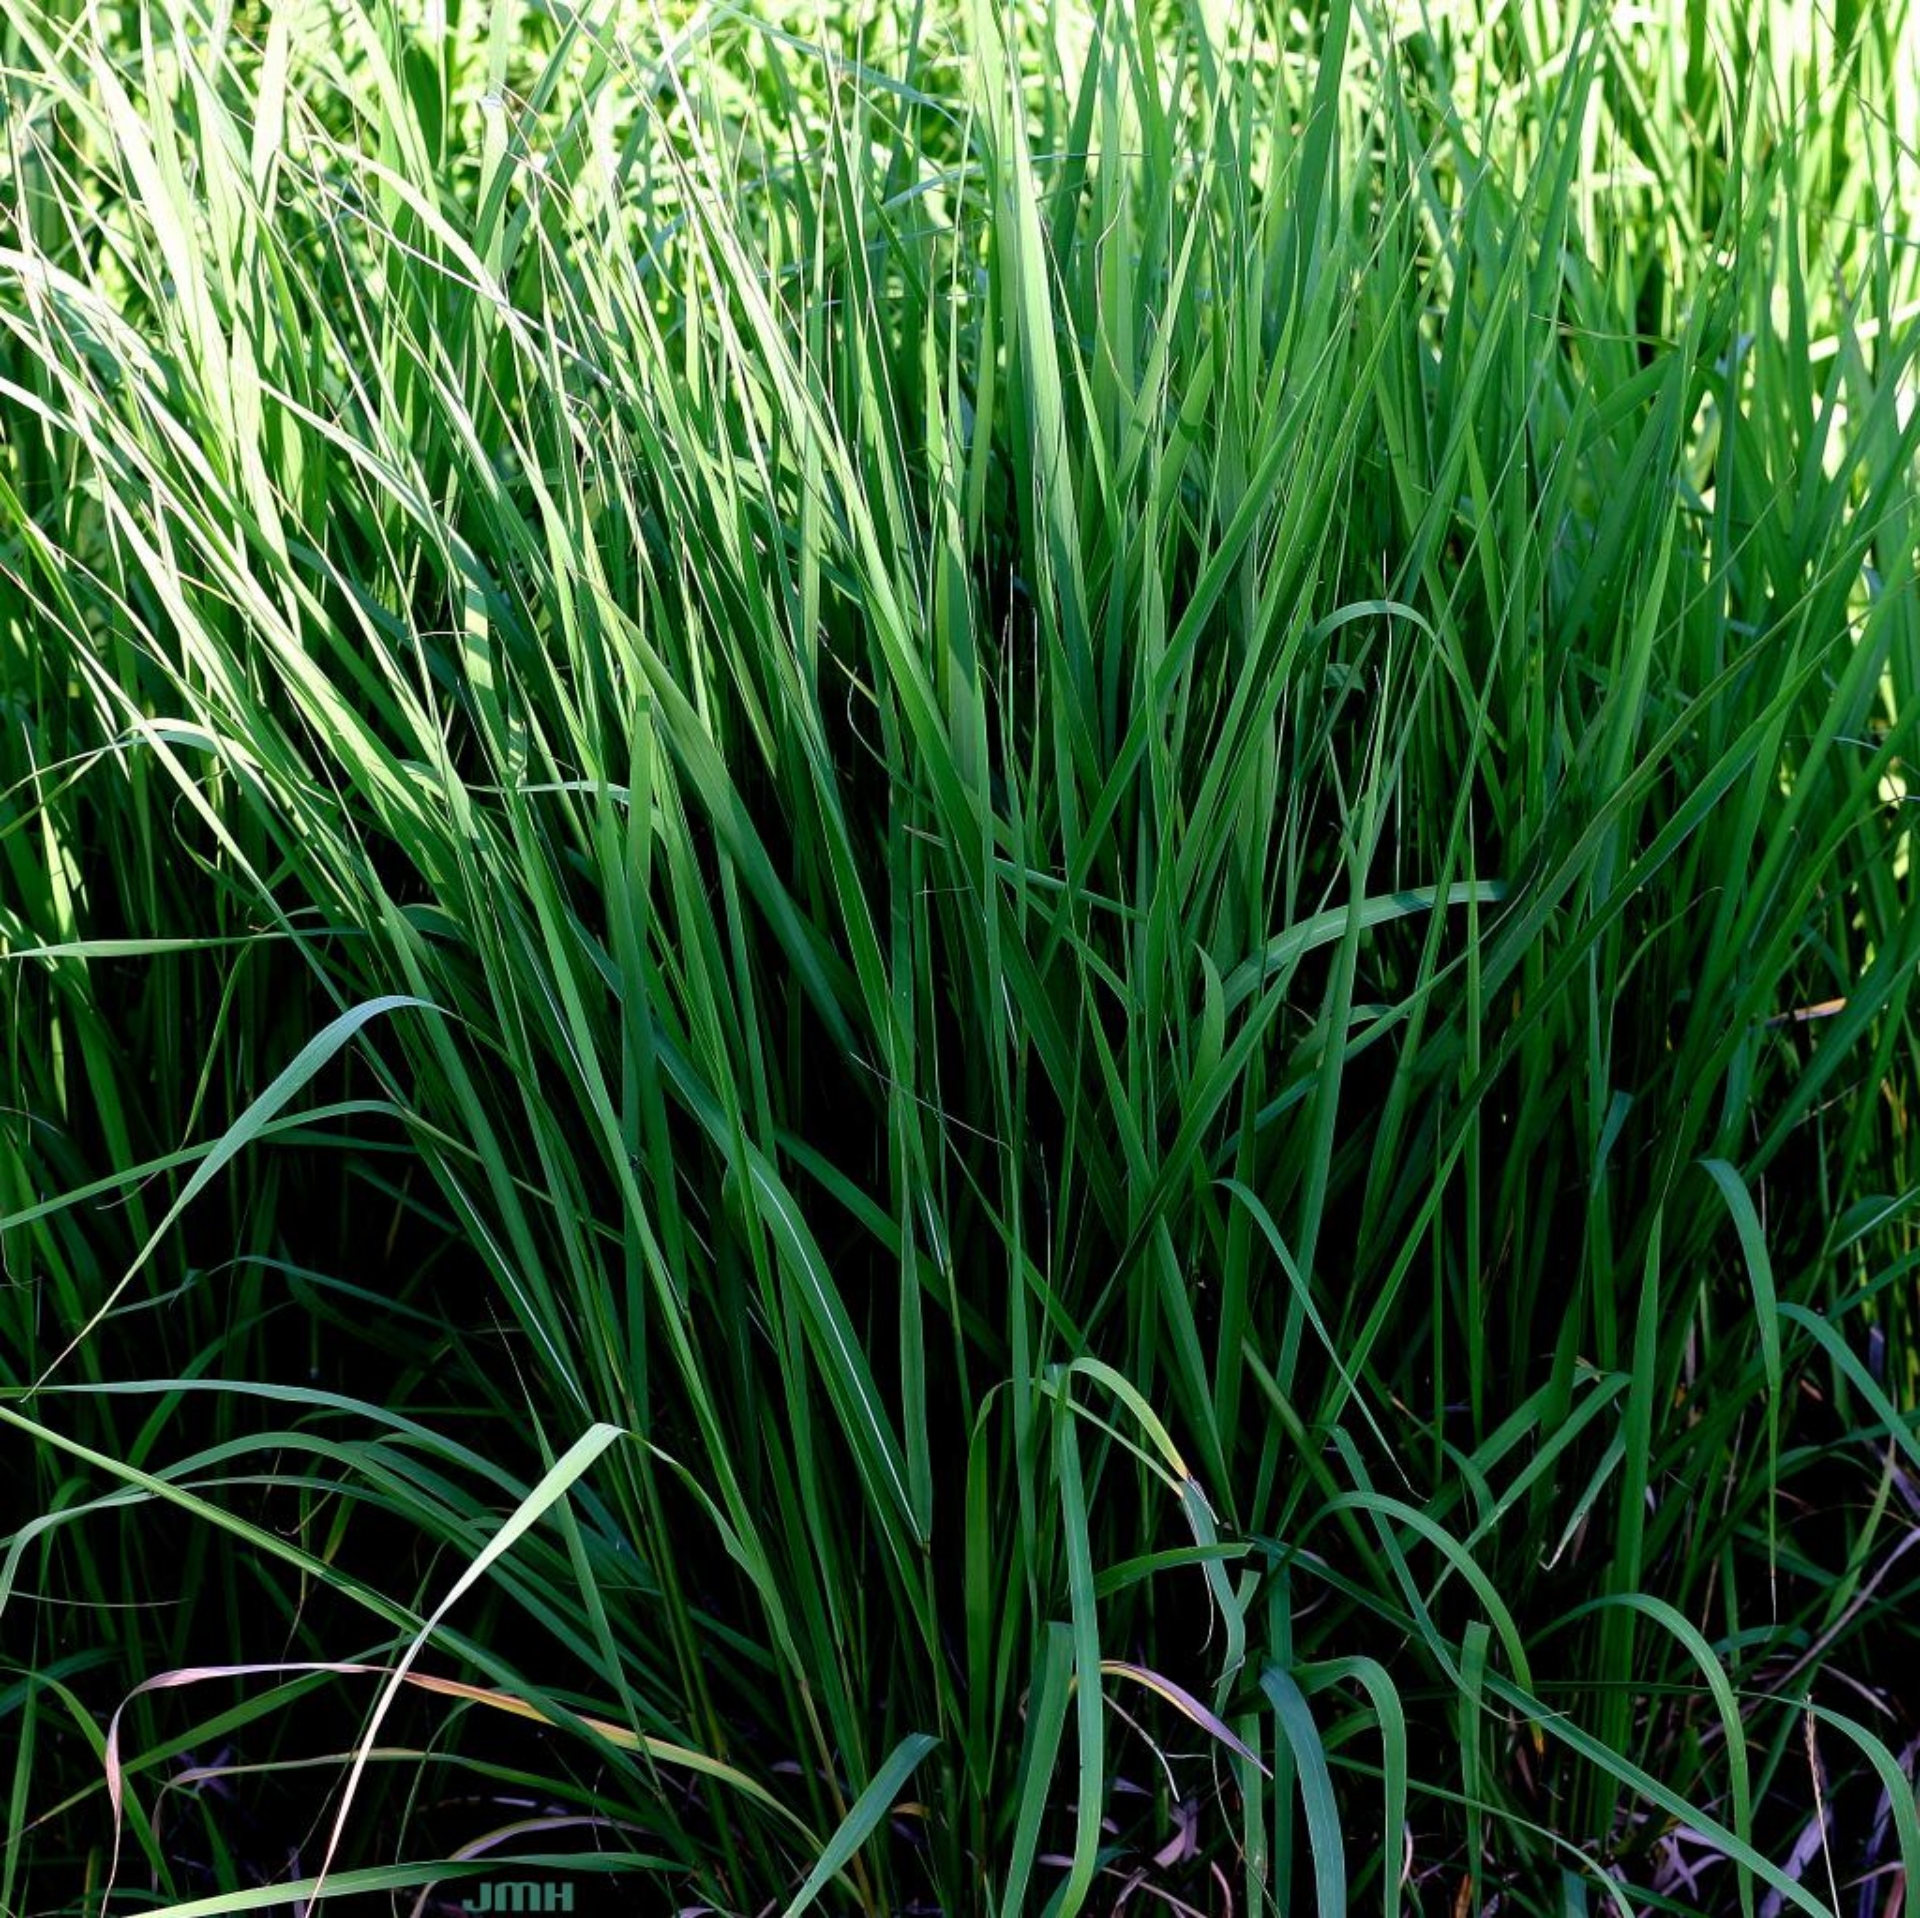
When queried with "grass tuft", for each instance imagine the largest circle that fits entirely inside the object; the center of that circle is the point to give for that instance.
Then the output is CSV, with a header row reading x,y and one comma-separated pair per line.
x,y
971,947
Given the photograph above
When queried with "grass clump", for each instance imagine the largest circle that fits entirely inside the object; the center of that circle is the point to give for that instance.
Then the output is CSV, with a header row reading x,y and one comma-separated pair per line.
x,y
959,958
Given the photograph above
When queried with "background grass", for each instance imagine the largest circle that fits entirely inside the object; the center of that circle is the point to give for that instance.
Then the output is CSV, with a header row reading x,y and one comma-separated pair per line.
x,y
959,959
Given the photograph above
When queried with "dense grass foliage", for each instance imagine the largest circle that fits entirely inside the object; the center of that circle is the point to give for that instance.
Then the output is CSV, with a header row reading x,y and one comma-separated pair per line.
x,y
959,959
